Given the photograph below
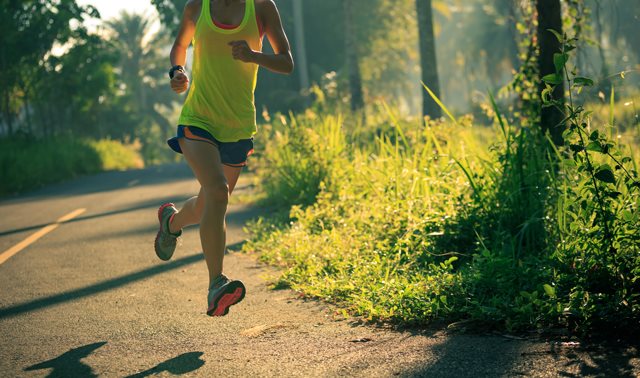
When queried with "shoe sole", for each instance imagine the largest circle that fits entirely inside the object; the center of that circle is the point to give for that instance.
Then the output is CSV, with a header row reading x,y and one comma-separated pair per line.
x,y
155,243
233,294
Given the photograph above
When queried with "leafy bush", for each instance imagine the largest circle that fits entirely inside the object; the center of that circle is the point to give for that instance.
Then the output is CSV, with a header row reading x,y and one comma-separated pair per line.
x,y
297,161
26,163
116,156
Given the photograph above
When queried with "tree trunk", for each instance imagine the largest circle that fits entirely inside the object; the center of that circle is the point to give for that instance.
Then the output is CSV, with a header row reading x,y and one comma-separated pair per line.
x,y
353,63
428,58
550,17
604,69
301,50
7,112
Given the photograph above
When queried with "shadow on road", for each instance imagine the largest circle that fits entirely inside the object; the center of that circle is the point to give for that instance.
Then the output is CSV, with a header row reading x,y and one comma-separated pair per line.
x,y
600,361
234,218
462,355
69,364
150,204
111,284
472,356
183,364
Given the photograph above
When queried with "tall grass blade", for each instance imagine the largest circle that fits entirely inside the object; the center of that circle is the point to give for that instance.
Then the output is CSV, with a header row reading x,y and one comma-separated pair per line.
x,y
503,127
467,173
611,111
440,104
394,120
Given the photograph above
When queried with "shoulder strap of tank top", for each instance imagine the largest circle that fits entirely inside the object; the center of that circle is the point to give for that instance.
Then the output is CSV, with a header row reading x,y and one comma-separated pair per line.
x,y
204,11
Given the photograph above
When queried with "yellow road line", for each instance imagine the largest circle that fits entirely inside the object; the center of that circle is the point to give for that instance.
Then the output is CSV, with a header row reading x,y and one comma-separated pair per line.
x,y
6,255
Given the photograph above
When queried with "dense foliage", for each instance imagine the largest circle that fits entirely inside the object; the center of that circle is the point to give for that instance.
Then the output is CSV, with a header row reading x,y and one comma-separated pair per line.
x,y
27,163
59,78
428,223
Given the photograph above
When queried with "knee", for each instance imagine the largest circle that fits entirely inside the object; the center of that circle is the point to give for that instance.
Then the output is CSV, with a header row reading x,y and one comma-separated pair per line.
x,y
217,194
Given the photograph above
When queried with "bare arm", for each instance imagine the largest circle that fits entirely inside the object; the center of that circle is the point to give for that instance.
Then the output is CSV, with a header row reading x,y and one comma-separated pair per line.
x,y
281,61
180,81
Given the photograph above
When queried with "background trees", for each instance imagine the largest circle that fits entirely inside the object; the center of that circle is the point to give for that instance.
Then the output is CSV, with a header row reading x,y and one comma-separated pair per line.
x,y
30,29
61,78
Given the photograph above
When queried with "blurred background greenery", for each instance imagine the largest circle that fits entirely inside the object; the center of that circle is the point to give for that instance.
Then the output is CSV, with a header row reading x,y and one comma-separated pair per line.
x,y
67,71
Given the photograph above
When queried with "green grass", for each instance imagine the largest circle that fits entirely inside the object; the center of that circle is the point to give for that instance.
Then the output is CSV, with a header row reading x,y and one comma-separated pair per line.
x,y
412,224
27,164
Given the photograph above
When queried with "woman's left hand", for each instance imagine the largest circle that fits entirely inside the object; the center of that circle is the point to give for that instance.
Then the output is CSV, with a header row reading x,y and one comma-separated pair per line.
x,y
241,51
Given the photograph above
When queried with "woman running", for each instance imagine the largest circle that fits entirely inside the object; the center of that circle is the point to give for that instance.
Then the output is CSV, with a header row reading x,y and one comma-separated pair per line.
x,y
218,121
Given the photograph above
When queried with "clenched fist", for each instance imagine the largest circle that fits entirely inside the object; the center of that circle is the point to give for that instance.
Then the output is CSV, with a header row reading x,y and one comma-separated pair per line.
x,y
180,82
242,52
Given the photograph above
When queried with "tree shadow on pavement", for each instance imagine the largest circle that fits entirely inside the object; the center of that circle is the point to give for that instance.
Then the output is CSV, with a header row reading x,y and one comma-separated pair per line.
x,y
597,361
69,364
468,355
149,204
183,364
234,218
472,356
97,288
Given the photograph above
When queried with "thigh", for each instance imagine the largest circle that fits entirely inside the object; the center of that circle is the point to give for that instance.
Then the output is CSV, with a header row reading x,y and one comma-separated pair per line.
x,y
232,174
204,160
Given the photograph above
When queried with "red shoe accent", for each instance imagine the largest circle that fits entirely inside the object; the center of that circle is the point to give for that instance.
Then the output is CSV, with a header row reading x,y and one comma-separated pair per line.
x,y
161,209
226,301
221,306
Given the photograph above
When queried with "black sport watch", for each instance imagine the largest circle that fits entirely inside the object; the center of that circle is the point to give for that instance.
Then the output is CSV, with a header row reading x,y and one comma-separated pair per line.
x,y
174,69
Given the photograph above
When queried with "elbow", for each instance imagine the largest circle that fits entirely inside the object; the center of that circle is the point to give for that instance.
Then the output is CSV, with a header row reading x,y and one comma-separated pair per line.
x,y
290,66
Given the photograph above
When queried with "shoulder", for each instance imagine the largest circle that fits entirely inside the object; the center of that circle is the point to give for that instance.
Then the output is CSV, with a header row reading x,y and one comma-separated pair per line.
x,y
265,7
192,9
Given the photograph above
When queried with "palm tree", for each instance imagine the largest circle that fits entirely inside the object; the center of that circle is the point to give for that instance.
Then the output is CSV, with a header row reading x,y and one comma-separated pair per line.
x,y
428,58
142,65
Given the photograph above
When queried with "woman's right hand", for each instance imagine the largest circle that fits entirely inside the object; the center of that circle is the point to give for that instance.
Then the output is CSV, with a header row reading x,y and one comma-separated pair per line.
x,y
180,82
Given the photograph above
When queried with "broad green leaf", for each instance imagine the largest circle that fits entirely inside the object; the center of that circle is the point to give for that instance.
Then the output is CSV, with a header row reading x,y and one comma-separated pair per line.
x,y
553,79
613,195
594,146
550,290
605,174
559,60
576,148
584,81
558,35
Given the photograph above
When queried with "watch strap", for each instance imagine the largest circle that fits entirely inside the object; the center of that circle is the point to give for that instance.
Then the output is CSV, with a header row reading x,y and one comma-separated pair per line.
x,y
173,70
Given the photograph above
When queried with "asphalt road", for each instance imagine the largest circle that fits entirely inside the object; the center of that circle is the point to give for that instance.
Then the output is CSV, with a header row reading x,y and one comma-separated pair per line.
x,y
90,298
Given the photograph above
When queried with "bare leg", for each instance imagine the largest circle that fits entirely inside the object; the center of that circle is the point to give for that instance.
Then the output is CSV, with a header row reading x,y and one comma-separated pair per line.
x,y
191,211
204,160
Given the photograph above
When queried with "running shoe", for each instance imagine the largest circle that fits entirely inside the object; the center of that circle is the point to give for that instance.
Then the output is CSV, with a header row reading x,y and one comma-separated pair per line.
x,y
165,243
223,294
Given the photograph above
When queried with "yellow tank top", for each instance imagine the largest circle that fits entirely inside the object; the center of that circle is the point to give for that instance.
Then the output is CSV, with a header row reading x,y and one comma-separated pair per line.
x,y
221,97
